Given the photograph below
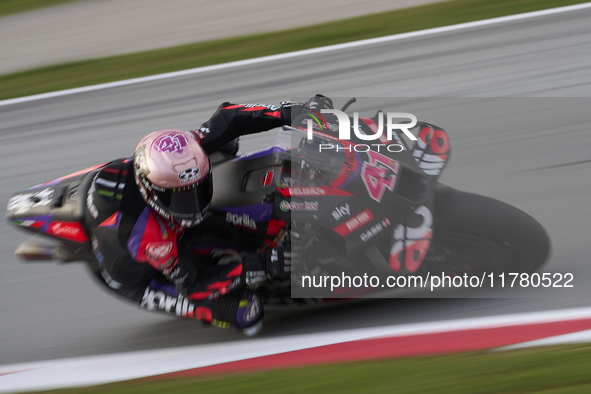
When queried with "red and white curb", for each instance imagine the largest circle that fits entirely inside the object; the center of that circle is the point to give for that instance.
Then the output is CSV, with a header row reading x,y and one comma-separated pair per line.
x,y
506,331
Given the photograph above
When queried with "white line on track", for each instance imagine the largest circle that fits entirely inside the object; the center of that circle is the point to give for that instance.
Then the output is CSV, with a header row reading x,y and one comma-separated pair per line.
x,y
575,337
92,370
288,55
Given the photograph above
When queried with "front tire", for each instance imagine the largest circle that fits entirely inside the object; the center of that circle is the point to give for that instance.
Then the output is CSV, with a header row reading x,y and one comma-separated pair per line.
x,y
474,234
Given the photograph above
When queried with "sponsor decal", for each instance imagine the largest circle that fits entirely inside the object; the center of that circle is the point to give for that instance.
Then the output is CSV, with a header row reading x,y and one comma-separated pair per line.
x,y
188,175
306,191
375,230
286,206
304,206
158,300
29,223
313,191
198,135
255,308
355,223
243,221
255,277
379,174
261,106
171,143
158,250
339,212
23,202
72,231
267,178
288,182
330,126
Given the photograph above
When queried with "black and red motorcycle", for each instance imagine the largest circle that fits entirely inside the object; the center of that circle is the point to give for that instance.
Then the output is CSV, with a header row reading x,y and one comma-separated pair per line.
x,y
345,203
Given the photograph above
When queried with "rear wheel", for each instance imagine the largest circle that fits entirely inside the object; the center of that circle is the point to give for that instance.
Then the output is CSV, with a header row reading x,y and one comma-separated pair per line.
x,y
475,234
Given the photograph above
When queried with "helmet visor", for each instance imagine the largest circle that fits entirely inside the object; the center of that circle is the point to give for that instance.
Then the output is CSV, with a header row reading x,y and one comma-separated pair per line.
x,y
187,202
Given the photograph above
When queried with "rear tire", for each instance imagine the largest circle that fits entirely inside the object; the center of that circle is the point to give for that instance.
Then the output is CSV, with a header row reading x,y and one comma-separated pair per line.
x,y
474,234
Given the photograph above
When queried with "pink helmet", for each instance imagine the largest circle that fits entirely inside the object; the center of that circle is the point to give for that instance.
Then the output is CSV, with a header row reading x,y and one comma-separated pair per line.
x,y
174,175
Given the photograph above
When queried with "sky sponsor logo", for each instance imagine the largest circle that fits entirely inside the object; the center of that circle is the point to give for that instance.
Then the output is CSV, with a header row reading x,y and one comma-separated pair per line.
x,y
339,212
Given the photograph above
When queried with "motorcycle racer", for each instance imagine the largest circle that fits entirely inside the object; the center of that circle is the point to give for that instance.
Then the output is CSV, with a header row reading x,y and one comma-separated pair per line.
x,y
139,209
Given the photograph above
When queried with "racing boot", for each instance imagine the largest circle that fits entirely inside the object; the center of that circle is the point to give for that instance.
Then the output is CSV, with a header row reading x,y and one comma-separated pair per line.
x,y
239,311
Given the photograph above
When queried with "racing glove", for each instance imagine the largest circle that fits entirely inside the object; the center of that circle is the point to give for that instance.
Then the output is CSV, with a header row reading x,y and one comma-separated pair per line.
x,y
315,103
274,264
319,102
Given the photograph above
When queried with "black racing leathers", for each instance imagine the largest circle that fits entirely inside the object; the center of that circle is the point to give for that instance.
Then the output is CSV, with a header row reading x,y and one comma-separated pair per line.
x,y
143,257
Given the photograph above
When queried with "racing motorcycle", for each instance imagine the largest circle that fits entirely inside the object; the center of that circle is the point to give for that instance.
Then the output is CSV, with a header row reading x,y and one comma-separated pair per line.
x,y
343,205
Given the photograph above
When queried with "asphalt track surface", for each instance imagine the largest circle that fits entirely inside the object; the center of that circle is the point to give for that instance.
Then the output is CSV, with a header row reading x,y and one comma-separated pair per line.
x,y
98,28
530,152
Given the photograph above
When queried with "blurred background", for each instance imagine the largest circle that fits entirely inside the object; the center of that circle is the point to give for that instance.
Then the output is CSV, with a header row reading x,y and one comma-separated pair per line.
x,y
50,311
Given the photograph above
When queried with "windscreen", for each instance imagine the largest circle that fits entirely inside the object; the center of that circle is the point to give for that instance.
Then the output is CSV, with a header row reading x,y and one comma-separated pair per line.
x,y
314,162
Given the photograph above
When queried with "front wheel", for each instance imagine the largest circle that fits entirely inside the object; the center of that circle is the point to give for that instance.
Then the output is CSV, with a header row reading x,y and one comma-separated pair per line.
x,y
474,234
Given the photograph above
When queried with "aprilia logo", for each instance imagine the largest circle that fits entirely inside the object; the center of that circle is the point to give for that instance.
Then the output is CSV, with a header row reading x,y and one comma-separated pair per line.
x,y
68,230
241,220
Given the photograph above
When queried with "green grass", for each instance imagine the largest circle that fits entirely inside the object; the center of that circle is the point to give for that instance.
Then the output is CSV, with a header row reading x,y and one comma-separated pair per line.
x,y
213,52
560,369
9,7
